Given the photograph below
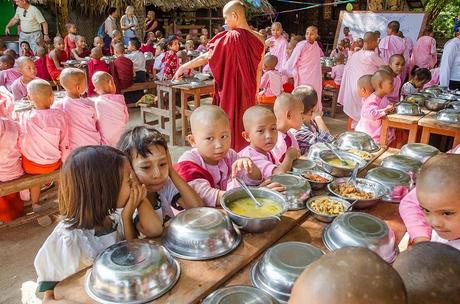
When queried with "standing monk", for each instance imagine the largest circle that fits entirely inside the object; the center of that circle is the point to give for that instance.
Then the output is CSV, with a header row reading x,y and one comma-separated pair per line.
x,y
277,44
363,62
425,54
235,59
392,43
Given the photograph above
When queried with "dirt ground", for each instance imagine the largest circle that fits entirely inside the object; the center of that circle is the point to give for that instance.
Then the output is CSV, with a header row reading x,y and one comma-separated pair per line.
x,y
20,244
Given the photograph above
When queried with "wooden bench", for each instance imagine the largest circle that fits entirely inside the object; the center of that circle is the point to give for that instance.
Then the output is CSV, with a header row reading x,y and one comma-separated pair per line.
x,y
148,85
26,181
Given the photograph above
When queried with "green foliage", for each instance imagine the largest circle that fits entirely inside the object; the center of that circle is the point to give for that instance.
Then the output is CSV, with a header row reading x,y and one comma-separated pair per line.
x,y
442,14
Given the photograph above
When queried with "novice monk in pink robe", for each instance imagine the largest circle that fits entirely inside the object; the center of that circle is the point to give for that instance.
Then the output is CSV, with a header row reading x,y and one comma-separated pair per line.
x,y
424,54
392,43
112,113
8,73
79,112
304,64
363,62
29,72
277,44
397,67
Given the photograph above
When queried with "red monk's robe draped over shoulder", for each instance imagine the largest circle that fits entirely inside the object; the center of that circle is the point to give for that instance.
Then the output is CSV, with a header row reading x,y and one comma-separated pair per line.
x,y
234,57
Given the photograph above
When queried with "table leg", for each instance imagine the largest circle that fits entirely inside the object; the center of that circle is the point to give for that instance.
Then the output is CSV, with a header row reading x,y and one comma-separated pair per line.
x,y
425,139
197,99
384,132
412,134
172,116
183,104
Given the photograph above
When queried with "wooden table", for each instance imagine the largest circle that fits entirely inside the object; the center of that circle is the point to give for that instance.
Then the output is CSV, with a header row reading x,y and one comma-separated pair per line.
x,y
186,90
398,121
430,126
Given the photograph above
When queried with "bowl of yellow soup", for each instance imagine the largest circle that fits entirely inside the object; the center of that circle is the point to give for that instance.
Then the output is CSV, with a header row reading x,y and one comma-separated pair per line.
x,y
249,217
334,166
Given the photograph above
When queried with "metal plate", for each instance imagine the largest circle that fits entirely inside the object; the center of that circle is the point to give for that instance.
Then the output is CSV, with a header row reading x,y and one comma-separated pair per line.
x,y
239,294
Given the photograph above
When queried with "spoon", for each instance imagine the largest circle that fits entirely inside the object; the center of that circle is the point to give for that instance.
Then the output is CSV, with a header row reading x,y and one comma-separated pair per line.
x,y
352,179
333,150
351,206
248,192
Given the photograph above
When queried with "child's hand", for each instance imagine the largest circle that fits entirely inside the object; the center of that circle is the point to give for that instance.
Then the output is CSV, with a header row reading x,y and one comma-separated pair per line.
x,y
292,153
170,165
389,108
242,164
137,194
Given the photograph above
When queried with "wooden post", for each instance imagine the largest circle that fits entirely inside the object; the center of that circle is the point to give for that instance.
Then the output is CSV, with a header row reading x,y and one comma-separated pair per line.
x,y
62,12
139,11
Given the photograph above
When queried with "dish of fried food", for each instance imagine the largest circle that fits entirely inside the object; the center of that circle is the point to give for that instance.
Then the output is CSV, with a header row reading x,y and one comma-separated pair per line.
x,y
327,206
315,178
363,154
349,191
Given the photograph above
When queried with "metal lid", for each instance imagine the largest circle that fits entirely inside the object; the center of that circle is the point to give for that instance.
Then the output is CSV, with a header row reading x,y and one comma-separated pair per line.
x,y
356,140
290,181
388,176
303,164
402,162
239,294
419,151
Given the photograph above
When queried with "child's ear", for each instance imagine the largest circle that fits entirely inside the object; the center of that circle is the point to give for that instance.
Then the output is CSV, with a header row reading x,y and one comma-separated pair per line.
x,y
289,115
245,135
191,140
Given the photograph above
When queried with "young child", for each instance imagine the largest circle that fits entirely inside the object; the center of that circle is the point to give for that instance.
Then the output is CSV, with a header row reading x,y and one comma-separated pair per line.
x,y
55,58
377,106
11,53
148,45
261,134
25,49
80,51
304,63
138,59
79,111
170,59
189,46
397,66
210,166
8,73
347,35
365,88
277,45
40,64
70,39
44,136
313,129
349,275
431,273
271,82
339,50
337,70
148,153
28,71
203,47
419,77
123,71
288,82
289,115
97,200
95,64
99,42
112,113
116,38
392,43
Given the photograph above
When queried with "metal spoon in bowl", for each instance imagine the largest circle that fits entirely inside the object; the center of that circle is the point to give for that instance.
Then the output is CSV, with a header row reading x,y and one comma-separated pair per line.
x,y
334,151
351,206
354,174
248,192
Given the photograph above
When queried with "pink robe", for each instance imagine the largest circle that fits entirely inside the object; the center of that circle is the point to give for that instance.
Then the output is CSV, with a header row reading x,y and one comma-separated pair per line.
x,y
391,45
281,145
305,67
279,49
266,162
44,136
409,45
434,78
81,118
10,161
19,88
6,102
424,54
337,73
359,64
112,117
372,113
7,77
395,95
349,37
271,83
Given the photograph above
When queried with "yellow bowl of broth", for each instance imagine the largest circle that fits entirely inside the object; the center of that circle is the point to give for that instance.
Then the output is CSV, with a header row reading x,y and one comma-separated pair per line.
x,y
246,207
348,163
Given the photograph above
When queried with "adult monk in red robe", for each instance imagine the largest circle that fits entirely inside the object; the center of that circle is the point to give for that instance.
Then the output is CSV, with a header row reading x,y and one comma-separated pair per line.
x,y
235,58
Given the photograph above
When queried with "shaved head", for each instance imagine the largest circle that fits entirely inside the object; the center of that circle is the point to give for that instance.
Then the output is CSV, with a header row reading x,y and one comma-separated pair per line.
x,y
103,83
381,76
440,173
71,77
370,41
277,25
395,57
313,28
349,276
365,82
206,115
285,102
119,48
96,53
255,113
236,7
57,40
40,93
22,60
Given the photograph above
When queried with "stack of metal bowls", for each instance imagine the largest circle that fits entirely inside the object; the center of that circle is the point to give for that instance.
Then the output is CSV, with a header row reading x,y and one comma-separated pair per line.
x,y
408,108
356,140
201,234
397,182
239,294
421,152
280,266
300,165
433,90
451,116
134,271
404,163
297,190
326,218
455,105
357,229
251,224
377,189
435,104
339,171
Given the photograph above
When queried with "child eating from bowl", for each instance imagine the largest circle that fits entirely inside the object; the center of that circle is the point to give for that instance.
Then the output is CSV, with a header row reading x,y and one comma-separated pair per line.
x,y
418,78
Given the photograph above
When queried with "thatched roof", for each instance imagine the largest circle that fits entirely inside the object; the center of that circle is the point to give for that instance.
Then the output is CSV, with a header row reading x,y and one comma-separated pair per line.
x,y
166,5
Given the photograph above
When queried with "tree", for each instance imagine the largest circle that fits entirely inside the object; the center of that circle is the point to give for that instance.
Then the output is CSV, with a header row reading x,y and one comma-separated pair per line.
x,y
441,14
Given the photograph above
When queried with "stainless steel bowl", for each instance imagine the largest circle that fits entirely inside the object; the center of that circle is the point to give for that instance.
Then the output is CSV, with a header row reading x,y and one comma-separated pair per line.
x,y
356,140
421,152
134,271
448,96
455,105
407,108
316,185
315,150
417,99
378,190
433,90
337,171
239,294
300,165
404,163
397,182
357,229
297,190
327,218
201,234
449,115
251,224
280,266
435,104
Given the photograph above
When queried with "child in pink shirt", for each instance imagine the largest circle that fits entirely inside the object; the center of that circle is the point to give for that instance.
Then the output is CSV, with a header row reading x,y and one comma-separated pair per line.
x,y
397,65
261,133
203,47
271,83
376,106
80,112
277,45
112,113
29,72
337,70
8,73
43,141
211,165
289,115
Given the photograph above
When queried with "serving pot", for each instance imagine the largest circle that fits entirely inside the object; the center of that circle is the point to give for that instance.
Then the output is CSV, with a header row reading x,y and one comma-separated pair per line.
x,y
397,182
433,90
251,224
135,271
435,104
421,152
280,266
201,234
297,190
404,163
449,115
356,140
357,229
326,218
408,108
337,171
239,294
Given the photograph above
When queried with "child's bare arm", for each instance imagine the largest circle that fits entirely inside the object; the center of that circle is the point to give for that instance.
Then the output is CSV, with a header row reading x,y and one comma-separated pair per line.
x,y
291,155
192,200
48,298
320,122
149,222
75,54
55,58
